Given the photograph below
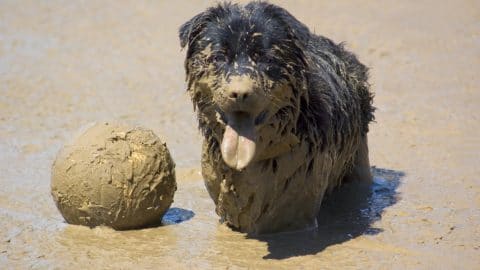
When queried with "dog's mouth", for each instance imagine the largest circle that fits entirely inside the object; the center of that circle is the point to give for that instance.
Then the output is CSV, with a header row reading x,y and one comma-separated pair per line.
x,y
239,141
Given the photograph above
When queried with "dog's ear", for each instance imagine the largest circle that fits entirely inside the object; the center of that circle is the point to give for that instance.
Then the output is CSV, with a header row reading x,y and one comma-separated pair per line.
x,y
298,29
191,28
294,27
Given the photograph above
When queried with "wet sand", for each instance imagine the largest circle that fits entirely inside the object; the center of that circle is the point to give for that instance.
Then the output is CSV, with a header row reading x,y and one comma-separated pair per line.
x,y
65,64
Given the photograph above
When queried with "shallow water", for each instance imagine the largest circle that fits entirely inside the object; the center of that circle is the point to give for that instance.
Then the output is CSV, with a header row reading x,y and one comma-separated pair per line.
x,y
65,64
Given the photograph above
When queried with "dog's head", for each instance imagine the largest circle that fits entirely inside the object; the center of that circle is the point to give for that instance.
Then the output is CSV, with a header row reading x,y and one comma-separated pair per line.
x,y
245,66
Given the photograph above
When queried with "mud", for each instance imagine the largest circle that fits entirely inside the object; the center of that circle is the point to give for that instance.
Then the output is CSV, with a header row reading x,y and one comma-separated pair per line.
x,y
65,64
115,175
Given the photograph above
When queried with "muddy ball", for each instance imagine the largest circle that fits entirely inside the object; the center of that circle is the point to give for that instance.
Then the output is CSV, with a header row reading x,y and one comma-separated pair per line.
x,y
114,175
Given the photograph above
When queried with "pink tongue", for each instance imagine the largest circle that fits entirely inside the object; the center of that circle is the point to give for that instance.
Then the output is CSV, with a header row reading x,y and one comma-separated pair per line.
x,y
238,143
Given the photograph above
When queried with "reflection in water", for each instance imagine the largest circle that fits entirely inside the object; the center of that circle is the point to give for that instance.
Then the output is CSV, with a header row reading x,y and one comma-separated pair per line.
x,y
347,213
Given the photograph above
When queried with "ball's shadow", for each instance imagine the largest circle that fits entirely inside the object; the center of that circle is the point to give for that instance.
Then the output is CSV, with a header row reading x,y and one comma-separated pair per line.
x,y
347,213
176,215
173,216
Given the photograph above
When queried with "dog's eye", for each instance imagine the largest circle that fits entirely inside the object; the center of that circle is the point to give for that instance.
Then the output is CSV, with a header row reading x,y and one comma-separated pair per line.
x,y
219,58
255,57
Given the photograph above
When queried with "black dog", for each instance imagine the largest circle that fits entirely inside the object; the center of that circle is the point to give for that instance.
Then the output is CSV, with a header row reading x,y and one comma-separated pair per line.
x,y
284,114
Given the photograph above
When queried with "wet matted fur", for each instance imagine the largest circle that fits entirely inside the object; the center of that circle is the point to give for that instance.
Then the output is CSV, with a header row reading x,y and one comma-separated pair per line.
x,y
284,114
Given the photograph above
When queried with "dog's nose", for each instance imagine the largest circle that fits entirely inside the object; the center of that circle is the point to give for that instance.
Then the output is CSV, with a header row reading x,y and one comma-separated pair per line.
x,y
240,88
239,94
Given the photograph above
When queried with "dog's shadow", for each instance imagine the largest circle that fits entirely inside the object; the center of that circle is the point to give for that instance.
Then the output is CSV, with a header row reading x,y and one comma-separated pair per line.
x,y
347,213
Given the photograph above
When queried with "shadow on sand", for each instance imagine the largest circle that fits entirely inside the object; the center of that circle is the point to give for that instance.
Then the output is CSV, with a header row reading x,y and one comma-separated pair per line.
x,y
176,215
347,213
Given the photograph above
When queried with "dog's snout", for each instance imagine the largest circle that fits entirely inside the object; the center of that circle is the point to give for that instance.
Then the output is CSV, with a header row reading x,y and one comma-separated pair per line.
x,y
239,94
240,88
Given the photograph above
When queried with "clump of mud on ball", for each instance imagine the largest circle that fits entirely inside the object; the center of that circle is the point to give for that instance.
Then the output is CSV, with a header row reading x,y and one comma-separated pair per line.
x,y
114,175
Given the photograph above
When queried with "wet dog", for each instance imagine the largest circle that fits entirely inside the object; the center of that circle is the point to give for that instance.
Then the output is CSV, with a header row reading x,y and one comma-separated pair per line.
x,y
284,114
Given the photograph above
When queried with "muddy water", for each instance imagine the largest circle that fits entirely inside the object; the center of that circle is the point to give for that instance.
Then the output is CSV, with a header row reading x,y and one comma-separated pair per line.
x,y
64,64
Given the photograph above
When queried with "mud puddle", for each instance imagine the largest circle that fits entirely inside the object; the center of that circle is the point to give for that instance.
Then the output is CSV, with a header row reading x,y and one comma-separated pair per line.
x,y
63,65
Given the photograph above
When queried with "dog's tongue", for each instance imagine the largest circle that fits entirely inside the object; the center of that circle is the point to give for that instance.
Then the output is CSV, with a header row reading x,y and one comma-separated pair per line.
x,y
238,144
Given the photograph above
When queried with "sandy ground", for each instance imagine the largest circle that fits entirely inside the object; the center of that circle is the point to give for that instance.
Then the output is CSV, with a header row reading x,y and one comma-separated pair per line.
x,y
66,63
